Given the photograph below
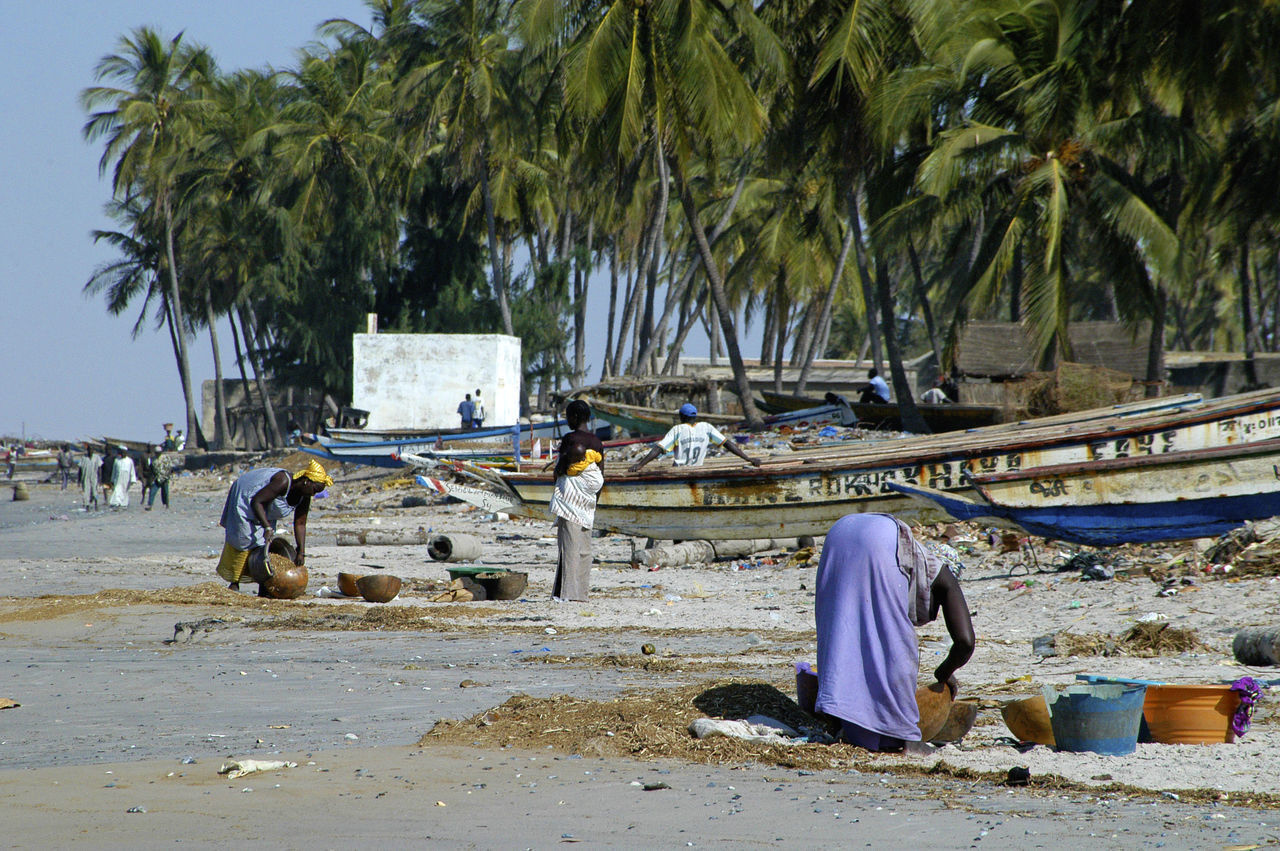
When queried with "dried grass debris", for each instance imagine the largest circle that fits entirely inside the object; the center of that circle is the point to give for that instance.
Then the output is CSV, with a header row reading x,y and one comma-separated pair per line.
x,y
648,724
1142,640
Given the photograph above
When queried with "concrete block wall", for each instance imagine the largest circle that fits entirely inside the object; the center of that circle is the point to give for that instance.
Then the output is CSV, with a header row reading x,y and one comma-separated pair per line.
x,y
417,380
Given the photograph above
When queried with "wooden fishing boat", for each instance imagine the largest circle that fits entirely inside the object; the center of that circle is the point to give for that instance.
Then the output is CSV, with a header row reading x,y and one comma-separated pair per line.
x,y
545,430
641,420
389,453
139,447
1172,496
481,457
804,493
31,460
655,421
939,418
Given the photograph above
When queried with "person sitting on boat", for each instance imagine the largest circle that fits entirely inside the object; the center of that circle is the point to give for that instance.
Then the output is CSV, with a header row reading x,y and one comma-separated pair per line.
x,y
256,500
690,441
579,479
876,391
935,395
875,584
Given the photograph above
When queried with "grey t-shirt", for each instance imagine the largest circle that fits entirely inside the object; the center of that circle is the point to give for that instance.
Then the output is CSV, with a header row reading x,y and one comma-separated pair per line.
x,y
243,531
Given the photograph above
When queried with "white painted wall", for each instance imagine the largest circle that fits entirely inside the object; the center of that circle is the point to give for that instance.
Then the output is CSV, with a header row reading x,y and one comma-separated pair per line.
x,y
417,380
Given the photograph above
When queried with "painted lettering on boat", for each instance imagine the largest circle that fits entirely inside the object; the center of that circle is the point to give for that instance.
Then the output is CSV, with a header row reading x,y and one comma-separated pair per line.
x,y
1049,487
1131,447
1263,423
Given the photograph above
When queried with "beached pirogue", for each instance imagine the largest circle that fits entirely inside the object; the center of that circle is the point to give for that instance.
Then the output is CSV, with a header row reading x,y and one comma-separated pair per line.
x,y
804,492
1194,494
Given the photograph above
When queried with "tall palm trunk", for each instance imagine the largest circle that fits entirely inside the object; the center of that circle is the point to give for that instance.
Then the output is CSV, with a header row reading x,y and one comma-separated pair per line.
x,y
252,331
813,349
651,283
805,331
864,278
687,321
781,313
770,333
1015,285
922,293
713,330
636,276
607,369
676,294
495,256
171,324
175,303
1155,344
912,420
581,281
1246,314
221,433
244,382
718,297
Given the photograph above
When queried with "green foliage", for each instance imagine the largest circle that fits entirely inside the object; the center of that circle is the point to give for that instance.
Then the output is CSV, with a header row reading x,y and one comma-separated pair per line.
x,y
1056,160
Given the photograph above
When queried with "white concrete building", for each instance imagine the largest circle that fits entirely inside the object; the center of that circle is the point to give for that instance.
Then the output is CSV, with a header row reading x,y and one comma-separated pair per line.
x,y
417,380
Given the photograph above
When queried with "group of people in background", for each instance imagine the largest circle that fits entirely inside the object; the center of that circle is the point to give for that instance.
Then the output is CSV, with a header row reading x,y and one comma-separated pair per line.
x,y
471,411
107,478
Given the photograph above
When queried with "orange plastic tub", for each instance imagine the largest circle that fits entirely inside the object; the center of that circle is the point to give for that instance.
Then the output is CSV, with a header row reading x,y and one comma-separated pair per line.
x,y
1190,714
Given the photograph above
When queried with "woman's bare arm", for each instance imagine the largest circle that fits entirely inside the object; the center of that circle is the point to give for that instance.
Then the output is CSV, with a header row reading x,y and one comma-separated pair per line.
x,y
955,613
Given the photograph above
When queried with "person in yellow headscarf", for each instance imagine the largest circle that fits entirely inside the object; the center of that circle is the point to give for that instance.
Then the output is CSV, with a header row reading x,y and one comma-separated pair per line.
x,y
255,502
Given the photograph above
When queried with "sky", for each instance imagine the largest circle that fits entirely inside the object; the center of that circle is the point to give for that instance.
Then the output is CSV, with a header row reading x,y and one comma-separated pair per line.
x,y
68,369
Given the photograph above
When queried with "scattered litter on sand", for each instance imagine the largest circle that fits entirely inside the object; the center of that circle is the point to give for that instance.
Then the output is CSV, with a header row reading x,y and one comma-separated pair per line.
x,y
241,767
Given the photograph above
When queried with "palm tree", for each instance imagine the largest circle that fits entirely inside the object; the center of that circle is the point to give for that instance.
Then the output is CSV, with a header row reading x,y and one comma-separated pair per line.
x,y
1036,158
147,116
450,90
666,77
344,180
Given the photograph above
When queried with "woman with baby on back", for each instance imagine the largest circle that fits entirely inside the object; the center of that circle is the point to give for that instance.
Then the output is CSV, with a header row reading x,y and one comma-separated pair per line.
x,y
579,478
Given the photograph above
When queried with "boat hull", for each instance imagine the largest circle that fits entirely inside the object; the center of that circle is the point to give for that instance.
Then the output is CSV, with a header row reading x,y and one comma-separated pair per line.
x,y
547,430
725,500
939,418
1194,494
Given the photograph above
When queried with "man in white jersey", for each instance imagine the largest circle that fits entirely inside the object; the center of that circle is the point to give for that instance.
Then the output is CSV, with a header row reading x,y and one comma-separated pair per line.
x,y
688,441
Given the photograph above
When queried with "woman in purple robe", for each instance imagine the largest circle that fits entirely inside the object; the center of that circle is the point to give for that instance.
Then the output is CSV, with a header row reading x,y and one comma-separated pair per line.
x,y
875,584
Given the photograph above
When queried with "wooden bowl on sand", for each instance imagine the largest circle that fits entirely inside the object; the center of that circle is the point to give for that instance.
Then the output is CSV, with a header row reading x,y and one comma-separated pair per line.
x,y
964,714
1028,720
347,584
934,701
381,588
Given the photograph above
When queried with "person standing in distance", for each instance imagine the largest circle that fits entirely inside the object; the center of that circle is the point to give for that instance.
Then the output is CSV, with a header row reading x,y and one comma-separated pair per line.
x,y
90,471
579,479
65,464
688,442
123,475
477,411
466,410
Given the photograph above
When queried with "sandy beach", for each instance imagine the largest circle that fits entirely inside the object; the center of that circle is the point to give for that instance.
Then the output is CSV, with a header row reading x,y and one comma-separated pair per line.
x,y
529,723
